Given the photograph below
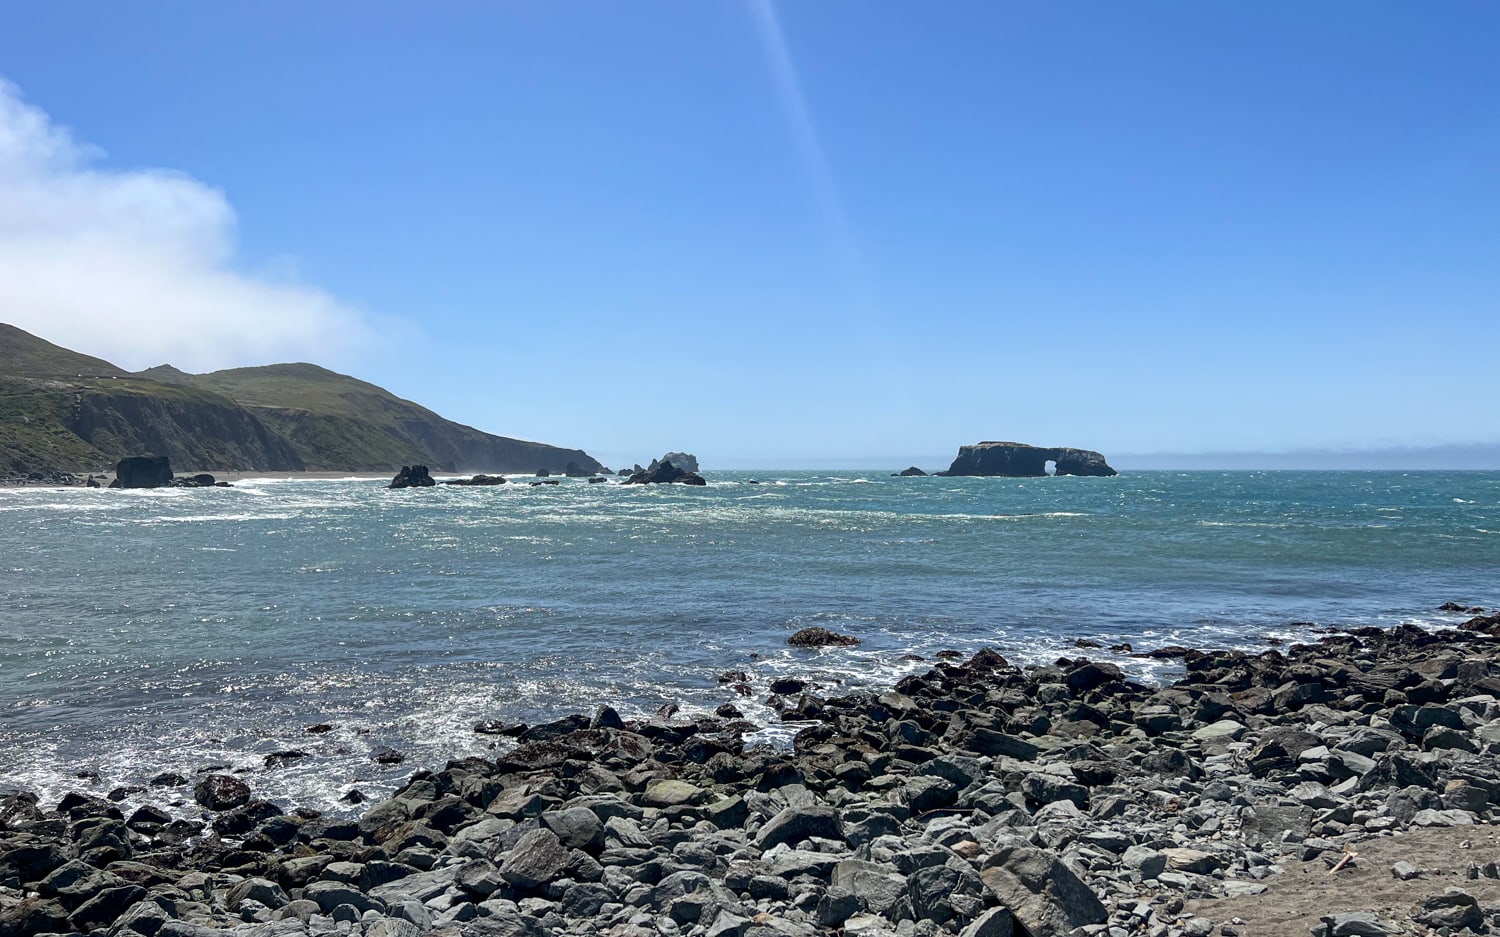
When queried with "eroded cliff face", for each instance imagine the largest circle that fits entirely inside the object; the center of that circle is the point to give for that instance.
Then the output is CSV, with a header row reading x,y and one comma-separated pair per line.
x,y
199,431
1018,460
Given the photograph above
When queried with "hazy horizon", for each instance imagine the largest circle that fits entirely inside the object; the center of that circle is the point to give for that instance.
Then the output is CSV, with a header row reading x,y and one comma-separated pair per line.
x,y
1479,457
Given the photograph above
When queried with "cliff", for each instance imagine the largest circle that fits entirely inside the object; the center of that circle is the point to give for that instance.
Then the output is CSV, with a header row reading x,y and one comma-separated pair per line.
x,y
63,411
1018,460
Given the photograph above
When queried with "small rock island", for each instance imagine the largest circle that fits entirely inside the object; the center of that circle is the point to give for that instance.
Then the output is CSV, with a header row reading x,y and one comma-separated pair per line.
x,y
1018,460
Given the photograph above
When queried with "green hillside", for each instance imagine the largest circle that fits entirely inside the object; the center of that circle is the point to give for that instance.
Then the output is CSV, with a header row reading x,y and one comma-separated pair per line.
x,y
24,355
340,423
64,411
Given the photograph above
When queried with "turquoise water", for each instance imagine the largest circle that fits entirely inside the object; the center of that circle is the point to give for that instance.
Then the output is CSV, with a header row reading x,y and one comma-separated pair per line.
x,y
175,629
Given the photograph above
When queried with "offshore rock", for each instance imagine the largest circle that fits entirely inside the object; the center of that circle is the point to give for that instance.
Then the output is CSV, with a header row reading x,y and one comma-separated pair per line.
x,y
143,471
1018,460
479,480
821,637
662,473
912,472
412,476
683,460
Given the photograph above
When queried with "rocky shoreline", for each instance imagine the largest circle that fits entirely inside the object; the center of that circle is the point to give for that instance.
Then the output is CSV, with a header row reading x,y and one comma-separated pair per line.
x,y
1343,787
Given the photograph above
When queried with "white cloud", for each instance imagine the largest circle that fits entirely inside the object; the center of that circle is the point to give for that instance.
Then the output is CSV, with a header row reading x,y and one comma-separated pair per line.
x,y
137,266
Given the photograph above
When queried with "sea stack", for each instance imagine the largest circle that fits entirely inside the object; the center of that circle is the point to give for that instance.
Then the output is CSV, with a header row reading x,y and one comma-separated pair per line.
x,y
1019,460
143,471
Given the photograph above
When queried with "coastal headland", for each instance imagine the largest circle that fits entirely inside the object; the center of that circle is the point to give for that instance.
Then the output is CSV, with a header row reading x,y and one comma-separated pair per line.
x,y
1344,786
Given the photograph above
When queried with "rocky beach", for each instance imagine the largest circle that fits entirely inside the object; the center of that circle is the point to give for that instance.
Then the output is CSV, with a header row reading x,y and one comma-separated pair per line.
x,y
1340,787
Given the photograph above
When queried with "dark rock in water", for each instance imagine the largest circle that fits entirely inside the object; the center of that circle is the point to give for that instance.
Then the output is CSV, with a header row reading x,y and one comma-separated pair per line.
x,y
912,472
496,727
221,792
282,759
143,471
574,470
412,476
1018,460
821,637
479,480
353,796
597,480
387,756
319,729
543,473
168,779
665,473
201,480
540,484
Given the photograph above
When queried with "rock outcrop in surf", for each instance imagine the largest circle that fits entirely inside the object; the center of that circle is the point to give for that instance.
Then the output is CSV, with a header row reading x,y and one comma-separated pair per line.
x,y
1019,460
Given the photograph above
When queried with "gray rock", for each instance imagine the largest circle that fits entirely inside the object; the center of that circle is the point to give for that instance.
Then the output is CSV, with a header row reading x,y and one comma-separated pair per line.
x,y
1043,893
878,887
421,887
1405,871
508,923
795,824
537,858
1147,861
996,922
576,827
672,793
1354,924
392,927
266,892
330,895
1454,909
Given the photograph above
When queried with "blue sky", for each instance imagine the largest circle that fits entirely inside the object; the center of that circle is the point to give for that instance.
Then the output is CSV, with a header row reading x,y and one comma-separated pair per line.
x,y
809,233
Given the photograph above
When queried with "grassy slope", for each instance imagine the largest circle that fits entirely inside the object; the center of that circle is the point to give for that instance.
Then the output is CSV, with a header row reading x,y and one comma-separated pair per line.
x,y
63,410
339,423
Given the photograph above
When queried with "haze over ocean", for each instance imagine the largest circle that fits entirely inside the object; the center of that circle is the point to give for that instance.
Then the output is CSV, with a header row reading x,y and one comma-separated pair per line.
x,y
173,629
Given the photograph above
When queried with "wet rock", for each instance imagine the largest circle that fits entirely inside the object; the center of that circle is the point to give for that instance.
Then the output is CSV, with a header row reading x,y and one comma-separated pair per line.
x,y
221,792
821,637
141,471
412,476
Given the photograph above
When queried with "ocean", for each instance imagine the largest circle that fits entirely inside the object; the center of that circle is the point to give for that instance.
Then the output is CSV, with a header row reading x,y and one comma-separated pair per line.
x,y
183,629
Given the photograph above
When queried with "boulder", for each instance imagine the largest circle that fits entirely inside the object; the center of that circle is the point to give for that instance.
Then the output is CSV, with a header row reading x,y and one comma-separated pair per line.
x,y
1040,890
412,476
795,824
142,471
912,472
537,858
221,792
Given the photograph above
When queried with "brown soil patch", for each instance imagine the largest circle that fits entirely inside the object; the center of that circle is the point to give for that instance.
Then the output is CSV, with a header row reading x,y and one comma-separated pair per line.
x,y
1297,899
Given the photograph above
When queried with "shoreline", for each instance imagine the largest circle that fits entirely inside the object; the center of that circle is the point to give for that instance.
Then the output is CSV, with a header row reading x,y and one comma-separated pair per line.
x,y
975,799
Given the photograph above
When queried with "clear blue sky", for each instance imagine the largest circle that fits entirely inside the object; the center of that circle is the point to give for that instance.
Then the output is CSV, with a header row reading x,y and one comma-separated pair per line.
x,y
808,233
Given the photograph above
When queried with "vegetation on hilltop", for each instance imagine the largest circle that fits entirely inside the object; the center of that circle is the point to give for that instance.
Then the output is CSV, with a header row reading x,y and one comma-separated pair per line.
x,y
64,411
